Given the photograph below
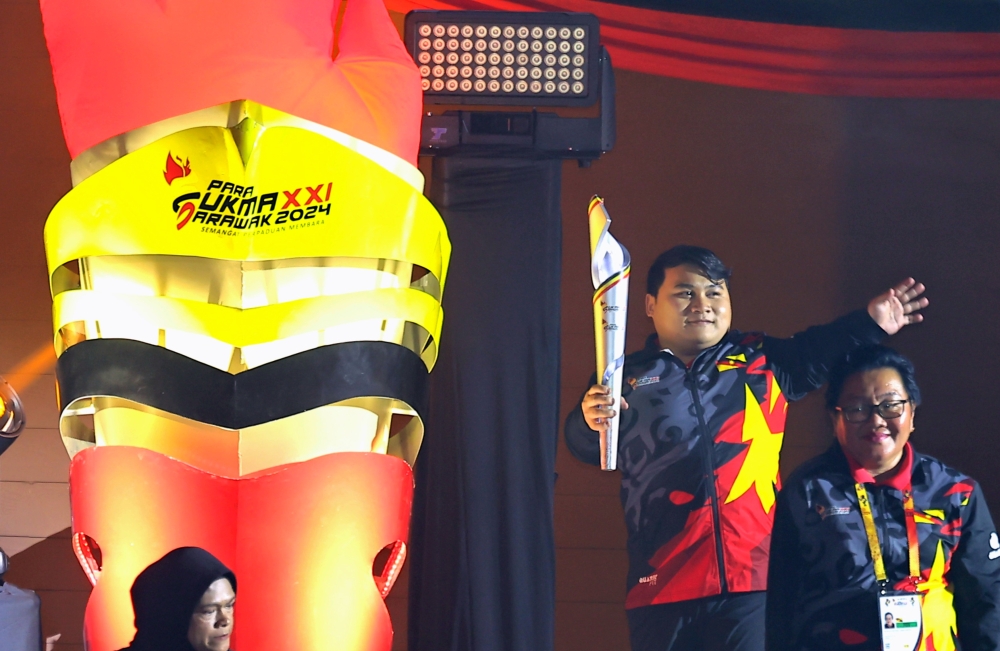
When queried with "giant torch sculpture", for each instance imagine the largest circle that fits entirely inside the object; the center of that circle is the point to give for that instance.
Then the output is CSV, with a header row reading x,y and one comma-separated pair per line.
x,y
246,282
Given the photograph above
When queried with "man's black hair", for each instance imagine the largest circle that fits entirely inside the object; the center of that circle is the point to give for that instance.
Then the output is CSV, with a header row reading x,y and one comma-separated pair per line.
x,y
706,262
870,358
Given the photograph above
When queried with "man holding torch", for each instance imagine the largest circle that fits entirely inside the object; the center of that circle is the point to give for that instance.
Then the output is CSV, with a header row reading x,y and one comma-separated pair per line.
x,y
700,433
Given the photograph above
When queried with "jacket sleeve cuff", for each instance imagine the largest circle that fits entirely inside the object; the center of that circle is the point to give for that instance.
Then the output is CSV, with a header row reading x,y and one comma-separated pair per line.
x,y
863,327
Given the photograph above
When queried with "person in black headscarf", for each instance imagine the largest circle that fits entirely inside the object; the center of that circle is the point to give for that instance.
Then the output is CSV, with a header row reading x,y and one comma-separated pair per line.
x,y
184,602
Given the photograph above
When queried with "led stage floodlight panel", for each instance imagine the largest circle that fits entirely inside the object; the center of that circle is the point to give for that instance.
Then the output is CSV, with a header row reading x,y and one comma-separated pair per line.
x,y
510,58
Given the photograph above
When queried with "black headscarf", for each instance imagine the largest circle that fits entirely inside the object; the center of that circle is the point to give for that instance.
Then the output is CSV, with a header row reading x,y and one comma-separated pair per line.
x,y
165,594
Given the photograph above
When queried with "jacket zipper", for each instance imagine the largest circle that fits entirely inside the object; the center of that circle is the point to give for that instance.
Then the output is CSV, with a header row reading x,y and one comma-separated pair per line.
x,y
710,474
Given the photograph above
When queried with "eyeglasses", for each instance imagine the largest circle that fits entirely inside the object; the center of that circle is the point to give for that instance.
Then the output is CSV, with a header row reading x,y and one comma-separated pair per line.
x,y
888,410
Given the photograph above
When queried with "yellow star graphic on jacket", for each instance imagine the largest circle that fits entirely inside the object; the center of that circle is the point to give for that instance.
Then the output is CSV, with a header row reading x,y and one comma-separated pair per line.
x,y
938,610
731,362
760,467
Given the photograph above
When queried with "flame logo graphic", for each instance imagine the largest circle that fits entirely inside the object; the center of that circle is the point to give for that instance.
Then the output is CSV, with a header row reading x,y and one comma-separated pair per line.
x,y
174,169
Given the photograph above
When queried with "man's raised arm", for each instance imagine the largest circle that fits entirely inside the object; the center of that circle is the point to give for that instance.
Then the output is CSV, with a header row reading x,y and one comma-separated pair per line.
x,y
801,362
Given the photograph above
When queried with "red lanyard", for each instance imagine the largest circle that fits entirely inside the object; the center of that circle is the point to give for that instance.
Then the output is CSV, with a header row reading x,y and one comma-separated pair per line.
x,y
913,544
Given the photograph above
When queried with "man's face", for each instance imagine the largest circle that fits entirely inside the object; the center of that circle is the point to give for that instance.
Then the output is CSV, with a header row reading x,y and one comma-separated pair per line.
x,y
690,312
212,620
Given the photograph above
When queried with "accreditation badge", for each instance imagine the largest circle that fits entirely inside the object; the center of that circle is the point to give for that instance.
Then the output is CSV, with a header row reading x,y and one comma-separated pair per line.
x,y
900,621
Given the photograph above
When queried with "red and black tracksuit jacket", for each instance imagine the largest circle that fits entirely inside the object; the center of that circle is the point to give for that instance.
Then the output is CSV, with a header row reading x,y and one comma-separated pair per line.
x,y
822,592
698,455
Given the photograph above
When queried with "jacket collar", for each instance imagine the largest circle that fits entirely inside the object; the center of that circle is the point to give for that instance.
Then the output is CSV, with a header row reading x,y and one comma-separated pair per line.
x,y
652,347
901,480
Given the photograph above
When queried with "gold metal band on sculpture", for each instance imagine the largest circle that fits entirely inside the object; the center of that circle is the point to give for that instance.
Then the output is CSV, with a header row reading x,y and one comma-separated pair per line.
x,y
243,328
128,208
355,425
238,283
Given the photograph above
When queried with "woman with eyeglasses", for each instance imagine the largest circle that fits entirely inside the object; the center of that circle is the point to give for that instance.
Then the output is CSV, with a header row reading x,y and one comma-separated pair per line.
x,y
873,527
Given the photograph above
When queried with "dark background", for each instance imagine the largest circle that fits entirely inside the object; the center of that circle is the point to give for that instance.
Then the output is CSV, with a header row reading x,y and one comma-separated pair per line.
x,y
818,203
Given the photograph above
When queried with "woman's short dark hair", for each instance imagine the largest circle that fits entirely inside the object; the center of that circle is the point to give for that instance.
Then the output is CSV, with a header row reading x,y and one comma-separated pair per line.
x,y
870,358
698,257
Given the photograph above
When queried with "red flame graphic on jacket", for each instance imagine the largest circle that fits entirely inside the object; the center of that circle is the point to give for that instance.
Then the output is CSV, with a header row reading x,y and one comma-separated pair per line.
x,y
174,168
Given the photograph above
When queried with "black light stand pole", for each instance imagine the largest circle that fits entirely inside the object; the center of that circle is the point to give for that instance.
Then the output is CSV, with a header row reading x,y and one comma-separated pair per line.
x,y
482,562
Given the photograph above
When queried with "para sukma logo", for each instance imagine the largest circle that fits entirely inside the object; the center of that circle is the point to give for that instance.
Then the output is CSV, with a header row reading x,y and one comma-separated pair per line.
x,y
231,209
